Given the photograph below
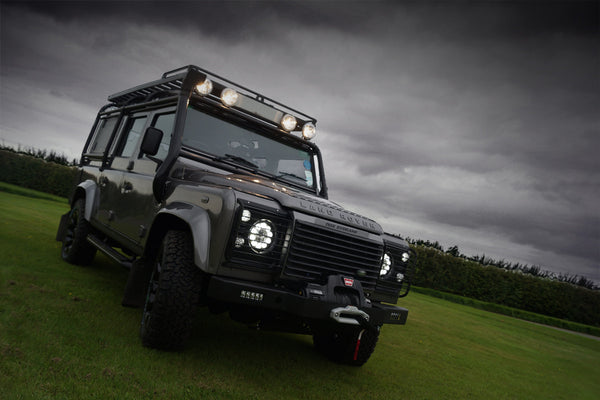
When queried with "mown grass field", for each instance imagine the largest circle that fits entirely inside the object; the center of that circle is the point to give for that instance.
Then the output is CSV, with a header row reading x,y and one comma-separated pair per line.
x,y
64,335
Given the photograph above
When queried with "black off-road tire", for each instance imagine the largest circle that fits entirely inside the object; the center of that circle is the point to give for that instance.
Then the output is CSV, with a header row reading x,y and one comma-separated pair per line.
x,y
173,294
75,247
341,346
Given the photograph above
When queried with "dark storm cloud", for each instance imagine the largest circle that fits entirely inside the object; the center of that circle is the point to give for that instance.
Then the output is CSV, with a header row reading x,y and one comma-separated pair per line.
x,y
470,123
231,21
527,107
518,19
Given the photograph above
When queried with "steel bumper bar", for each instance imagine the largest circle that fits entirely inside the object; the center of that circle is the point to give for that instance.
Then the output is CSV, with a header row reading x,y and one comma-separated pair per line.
x,y
303,304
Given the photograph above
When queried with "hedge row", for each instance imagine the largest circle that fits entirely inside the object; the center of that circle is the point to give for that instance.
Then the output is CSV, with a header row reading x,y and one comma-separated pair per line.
x,y
35,173
511,312
443,272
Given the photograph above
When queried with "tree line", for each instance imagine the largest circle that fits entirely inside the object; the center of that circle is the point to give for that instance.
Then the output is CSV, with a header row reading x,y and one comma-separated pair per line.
x,y
50,156
37,171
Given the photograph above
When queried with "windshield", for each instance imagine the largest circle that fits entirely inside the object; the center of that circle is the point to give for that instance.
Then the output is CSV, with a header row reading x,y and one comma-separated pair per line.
x,y
226,141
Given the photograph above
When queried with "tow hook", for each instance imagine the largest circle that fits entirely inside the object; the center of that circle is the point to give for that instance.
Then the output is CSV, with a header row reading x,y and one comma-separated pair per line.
x,y
351,315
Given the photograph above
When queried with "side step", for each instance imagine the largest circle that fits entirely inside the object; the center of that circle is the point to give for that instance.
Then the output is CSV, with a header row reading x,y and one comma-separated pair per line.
x,y
110,252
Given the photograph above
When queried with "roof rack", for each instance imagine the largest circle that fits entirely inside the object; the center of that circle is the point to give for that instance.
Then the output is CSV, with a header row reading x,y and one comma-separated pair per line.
x,y
172,82
140,93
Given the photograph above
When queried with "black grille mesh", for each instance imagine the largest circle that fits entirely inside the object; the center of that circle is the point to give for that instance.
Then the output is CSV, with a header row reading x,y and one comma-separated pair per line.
x,y
316,252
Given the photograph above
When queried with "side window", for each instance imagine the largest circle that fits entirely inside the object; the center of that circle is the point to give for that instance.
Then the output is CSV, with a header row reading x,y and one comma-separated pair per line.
x,y
103,131
164,122
131,136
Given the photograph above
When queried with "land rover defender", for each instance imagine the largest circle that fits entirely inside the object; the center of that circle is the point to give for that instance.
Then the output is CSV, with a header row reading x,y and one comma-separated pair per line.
x,y
214,195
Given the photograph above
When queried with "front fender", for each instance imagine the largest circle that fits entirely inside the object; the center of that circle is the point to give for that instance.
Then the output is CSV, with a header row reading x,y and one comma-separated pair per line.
x,y
196,219
89,190
86,189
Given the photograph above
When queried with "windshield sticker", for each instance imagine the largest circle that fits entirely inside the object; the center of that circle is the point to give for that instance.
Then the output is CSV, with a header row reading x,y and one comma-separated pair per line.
x,y
309,178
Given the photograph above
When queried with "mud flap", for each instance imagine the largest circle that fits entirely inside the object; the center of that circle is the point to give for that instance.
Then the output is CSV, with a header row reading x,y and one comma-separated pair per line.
x,y
62,227
137,284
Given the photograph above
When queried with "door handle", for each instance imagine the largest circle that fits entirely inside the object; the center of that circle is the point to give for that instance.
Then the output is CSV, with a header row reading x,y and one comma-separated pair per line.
x,y
127,187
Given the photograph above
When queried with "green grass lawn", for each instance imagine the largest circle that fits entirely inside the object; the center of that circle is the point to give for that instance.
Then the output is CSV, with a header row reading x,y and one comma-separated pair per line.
x,y
64,335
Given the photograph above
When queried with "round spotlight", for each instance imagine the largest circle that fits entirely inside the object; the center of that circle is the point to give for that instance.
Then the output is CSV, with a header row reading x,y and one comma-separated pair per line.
x,y
205,87
386,265
262,236
288,122
229,97
308,131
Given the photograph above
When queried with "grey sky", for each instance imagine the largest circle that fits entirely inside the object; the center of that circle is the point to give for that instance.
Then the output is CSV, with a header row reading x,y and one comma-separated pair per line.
x,y
475,124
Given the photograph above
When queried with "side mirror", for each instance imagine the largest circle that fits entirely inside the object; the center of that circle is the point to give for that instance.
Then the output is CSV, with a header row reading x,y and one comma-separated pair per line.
x,y
151,141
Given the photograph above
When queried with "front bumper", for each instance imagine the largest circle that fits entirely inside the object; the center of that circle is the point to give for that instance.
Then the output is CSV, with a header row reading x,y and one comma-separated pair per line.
x,y
334,302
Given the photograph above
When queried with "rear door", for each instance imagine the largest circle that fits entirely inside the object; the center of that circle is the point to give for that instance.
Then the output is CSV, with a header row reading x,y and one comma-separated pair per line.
x,y
107,179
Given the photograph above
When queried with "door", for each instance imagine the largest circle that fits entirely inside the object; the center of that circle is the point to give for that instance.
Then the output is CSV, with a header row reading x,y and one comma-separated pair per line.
x,y
137,206
118,191
107,180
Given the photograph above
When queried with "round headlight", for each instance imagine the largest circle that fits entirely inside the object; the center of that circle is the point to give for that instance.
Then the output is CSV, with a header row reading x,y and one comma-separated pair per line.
x,y
262,236
229,97
205,87
405,257
288,122
386,265
308,131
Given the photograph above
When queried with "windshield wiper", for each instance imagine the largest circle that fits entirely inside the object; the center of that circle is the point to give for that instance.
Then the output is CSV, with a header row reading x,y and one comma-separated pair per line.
x,y
237,159
282,174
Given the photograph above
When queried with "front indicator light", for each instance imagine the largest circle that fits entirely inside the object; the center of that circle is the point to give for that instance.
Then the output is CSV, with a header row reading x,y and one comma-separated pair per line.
x,y
229,97
246,215
239,242
405,257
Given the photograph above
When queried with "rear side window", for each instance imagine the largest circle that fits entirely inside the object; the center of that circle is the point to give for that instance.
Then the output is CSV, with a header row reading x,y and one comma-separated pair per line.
x,y
103,132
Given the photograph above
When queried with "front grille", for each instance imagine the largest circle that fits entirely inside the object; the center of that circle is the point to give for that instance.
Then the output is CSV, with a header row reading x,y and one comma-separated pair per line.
x,y
316,252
